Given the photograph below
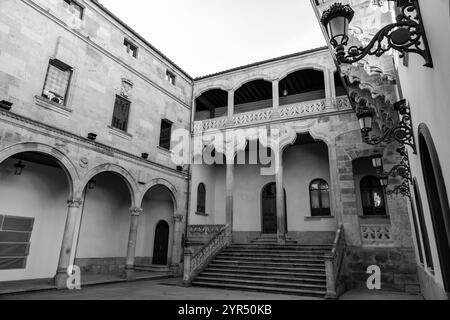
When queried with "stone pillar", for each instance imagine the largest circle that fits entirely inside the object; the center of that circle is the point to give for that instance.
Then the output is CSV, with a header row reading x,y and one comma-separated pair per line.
x,y
281,203
332,85
229,193
230,104
74,206
131,250
276,94
177,245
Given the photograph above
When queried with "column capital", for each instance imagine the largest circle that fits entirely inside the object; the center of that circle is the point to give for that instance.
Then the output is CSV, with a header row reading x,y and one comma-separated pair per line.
x,y
179,218
136,212
75,203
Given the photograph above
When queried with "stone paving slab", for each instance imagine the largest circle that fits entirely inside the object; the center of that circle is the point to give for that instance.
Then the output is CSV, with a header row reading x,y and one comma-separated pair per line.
x,y
378,295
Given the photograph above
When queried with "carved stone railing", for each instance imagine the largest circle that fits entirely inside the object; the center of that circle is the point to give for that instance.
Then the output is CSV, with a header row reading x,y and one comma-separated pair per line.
x,y
333,264
302,108
203,231
285,112
194,264
376,234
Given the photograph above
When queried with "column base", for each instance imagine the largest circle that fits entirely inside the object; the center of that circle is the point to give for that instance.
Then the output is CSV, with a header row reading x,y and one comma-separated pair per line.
x,y
60,280
129,274
175,269
281,239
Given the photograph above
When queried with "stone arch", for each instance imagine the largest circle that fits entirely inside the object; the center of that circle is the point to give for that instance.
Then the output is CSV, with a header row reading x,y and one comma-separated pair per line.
x,y
246,80
121,172
161,182
291,70
65,163
210,87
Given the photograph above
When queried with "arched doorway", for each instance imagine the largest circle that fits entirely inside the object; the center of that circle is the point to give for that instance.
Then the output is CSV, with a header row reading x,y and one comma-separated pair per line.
x,y
161,246
269,208
34,189
437,199
154,244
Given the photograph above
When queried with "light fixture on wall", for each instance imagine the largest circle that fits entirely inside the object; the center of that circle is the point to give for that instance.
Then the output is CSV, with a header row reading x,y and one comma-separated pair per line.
x,y
406,35
6,105
91,184
145,156
92,136
401,132
285,93
402,170
19,168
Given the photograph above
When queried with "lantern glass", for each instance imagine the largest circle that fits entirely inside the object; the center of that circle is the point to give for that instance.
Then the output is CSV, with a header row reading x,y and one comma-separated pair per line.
x,y
377,161
384,182
19,168
366,123
338,30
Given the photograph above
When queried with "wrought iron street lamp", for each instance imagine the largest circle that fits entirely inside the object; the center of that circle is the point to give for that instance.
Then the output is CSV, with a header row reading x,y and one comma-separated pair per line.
x,y
401,132
402,170
406,35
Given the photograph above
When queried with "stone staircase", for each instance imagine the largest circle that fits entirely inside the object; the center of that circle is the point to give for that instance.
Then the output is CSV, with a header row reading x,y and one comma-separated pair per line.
x,y
264,265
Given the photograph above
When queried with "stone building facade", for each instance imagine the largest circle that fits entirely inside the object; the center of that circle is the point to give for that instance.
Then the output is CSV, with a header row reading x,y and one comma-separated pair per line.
x,y
73,162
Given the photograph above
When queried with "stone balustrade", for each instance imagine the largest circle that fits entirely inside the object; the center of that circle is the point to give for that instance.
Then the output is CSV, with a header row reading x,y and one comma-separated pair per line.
x,y
285,112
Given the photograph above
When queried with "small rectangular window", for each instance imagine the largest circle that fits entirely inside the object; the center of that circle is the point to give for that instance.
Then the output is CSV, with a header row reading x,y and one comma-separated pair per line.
x,y
165,134
132,49
121,113
75,8
170,77
57,82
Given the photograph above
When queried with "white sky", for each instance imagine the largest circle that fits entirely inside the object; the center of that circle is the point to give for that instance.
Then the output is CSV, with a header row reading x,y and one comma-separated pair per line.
x,y
207,36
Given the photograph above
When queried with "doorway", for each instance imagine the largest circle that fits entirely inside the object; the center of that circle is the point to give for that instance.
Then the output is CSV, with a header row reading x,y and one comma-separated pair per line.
x,y
161,245
269,209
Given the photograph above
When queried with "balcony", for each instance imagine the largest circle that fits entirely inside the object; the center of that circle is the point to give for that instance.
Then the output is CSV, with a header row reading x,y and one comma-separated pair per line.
x,y
290,112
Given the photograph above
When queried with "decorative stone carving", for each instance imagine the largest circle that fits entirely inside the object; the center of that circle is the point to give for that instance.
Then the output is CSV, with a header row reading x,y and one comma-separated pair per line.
x,y
136,212
178,218
126,87
373,234
84,162
75,203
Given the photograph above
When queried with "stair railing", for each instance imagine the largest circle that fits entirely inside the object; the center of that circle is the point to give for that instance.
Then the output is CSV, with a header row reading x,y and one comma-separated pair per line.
x,y
333,264
194,264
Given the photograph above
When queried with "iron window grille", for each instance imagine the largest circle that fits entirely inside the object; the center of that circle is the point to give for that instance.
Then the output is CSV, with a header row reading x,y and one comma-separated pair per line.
x,y
57,82
121,114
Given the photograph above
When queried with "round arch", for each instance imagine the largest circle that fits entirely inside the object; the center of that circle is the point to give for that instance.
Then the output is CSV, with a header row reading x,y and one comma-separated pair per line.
x,y
118,170
160,182
292,70
243,82
66,164
437,199
209,88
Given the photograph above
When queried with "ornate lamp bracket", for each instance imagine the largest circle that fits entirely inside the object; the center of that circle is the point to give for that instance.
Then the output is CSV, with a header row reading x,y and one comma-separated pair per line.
x,y
406,35
402,170
402,132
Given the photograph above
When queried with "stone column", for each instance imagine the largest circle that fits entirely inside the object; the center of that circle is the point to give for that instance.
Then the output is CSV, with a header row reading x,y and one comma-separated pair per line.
x,y
131,250
74,206
332,85
229,193
177,245
281,204
276,94
230,104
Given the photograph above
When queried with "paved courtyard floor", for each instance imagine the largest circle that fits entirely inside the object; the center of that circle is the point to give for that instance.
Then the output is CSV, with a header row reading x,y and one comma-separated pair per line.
x,y
170,289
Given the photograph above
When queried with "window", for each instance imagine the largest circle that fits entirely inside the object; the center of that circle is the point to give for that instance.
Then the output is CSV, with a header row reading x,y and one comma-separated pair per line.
x,y
121,112
132,50
372,196
75,8
319,192
201,199
57,82
170,77
423,228
165,134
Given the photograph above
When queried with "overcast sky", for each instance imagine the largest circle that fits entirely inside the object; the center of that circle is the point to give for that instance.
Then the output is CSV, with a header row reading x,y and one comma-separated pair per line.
x,y
207,36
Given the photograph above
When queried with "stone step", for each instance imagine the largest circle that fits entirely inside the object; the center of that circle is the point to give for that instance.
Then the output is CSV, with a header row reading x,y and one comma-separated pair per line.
x,y
277,272
275,251
267,282
269,259
155,268
288,291
269,264
271,255
266,268
277,278
281,247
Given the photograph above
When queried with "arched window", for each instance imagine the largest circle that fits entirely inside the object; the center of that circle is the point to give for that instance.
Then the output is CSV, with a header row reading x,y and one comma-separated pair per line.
x,y
319,192
372,196
201,199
